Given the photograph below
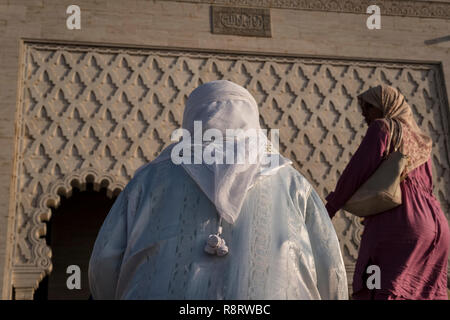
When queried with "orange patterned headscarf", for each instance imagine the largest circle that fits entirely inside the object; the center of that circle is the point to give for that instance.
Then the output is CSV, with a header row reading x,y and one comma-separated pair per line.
x,y
413,141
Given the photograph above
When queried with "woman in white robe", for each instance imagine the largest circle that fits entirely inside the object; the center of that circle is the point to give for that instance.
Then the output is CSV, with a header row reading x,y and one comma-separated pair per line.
x,y
281,242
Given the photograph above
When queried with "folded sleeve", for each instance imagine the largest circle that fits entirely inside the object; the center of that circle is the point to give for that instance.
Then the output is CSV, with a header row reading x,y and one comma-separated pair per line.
x,y
109,247
362,165
330,268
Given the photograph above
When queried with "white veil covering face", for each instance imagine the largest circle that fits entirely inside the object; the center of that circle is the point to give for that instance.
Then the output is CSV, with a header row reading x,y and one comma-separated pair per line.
x,y
223,105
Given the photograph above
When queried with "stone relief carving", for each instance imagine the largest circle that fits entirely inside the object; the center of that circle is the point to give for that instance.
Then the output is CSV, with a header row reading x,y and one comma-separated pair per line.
x,y
96,114
241,21
423,9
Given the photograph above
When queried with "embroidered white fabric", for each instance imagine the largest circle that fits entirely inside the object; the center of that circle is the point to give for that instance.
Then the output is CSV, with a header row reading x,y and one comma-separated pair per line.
x,y
151,245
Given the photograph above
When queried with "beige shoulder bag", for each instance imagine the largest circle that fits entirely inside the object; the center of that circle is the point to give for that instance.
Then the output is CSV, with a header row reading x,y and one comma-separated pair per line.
x,y
381,191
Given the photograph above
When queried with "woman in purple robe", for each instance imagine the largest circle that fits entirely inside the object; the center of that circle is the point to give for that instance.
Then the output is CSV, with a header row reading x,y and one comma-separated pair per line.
x,y
410,243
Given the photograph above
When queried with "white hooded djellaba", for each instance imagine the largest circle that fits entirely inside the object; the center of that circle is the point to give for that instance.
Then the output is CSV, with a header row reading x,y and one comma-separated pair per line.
x,y
281,242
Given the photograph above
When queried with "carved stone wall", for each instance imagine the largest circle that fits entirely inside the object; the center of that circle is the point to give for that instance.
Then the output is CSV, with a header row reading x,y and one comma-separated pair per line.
x,y
98,113
418,8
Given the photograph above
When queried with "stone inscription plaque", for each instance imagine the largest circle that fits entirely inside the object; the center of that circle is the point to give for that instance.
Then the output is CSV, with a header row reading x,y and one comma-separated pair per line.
x,y
241,21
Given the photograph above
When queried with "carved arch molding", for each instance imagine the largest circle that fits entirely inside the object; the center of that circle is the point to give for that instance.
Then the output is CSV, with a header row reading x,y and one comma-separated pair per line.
x,y
96,114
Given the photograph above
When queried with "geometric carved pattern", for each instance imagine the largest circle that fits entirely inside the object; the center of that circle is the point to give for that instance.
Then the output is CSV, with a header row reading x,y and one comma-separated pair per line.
x,y
97,114
410,8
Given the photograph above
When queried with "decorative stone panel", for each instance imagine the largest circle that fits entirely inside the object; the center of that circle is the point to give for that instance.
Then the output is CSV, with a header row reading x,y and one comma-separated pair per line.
x,y
410,8
241,21
96,114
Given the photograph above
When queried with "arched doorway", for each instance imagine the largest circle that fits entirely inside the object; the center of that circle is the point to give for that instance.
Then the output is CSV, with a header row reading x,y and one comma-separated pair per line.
x,y
71,233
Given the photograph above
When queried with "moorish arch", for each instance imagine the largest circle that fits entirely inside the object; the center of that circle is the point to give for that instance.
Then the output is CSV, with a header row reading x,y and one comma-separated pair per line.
x,y
24,286
71,234
97,113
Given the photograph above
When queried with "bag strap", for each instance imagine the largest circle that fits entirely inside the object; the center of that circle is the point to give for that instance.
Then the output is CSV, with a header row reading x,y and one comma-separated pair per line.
x,y
400,135
389,125
398,145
